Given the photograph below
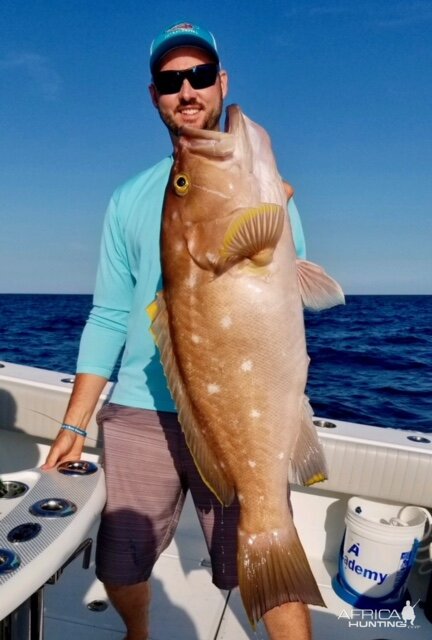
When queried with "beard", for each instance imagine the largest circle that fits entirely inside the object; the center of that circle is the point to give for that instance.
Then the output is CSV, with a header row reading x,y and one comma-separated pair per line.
x,y
211,121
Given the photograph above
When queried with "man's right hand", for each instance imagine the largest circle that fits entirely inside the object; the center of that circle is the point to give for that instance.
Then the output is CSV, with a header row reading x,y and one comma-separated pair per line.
x,y
85,395
67,446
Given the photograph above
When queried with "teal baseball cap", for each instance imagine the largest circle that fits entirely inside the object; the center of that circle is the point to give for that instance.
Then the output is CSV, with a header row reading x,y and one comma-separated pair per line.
x,y
182,34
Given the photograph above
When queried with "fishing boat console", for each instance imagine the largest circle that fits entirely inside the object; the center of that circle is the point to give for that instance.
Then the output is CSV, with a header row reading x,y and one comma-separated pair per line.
x,y
46,519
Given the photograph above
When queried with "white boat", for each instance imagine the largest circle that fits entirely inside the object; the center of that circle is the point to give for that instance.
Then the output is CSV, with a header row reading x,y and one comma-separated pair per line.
x,y
389,465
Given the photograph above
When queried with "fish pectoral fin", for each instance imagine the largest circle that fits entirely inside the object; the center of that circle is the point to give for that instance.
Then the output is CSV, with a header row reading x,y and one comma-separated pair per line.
x,y
318,290
254,234
273,569
308,464
205,460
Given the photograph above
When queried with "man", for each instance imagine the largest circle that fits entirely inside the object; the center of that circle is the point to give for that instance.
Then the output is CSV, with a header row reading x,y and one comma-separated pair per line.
x,y
148,467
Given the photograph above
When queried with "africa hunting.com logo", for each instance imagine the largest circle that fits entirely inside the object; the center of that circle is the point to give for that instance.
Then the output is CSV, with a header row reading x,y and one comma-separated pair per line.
x,y
381,618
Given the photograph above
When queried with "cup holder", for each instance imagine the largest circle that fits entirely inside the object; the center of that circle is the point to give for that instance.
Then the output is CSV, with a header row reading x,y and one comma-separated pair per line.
x,y
24,532
53,508
325,424
9,561
77,468
12,489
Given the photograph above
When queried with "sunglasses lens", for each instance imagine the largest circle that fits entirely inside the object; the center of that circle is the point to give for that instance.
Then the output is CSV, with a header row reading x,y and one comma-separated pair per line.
x,y
167,82
203,76
200,77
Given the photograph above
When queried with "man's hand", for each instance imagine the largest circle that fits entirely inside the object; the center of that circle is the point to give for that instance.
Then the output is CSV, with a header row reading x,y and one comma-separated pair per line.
x,y
85,394
67,446
288,190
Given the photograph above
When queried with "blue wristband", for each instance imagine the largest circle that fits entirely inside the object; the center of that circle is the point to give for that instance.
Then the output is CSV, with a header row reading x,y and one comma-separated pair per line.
x,y
77,430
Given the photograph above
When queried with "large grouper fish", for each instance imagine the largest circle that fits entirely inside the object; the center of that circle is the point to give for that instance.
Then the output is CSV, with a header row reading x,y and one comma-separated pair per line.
x,y
230,330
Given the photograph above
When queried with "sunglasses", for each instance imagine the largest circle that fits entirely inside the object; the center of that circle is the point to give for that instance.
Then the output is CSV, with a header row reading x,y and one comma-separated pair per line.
x,y
200,77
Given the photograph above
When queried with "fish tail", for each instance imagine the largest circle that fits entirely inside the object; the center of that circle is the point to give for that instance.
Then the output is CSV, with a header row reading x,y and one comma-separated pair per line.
x,y
273,570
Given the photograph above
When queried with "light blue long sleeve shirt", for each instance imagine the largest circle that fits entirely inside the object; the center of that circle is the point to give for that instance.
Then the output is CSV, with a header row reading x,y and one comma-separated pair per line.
x,y
128,278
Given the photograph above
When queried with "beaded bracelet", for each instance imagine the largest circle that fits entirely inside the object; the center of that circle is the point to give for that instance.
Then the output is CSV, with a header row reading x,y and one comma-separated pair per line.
x,y
71,427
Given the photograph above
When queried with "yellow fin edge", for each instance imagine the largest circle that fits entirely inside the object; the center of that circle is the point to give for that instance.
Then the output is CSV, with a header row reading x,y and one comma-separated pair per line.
x,y
254,230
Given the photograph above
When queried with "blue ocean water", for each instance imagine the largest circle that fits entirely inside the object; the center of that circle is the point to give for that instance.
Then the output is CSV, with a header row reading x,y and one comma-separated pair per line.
x,y
371,360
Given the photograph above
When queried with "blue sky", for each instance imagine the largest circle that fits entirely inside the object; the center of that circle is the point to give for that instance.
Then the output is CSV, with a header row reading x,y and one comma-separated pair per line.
x,y
343,88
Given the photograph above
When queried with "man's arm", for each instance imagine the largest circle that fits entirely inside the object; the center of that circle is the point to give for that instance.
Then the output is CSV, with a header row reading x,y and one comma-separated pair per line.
x,y
85,395
101,340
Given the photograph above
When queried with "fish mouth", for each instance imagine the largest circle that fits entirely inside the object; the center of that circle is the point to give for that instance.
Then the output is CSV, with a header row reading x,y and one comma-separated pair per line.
x,y
215,143
209,143
232,125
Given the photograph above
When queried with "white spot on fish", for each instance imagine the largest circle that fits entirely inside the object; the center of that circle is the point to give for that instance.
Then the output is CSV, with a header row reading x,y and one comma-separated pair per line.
x,y
213,388
261,498
247,365
211,257
275,533
254,287
252,538
226,322
252,463
240,497
255,413
196,339
191,281
281,455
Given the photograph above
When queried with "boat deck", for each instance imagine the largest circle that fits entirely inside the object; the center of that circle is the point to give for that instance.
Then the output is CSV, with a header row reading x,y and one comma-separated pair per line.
x,y
186,606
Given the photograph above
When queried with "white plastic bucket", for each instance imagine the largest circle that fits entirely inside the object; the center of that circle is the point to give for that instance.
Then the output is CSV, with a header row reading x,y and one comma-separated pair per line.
x,y
379,546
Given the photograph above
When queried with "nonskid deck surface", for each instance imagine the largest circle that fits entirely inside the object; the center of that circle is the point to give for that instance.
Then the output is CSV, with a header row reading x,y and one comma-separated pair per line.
x,y
186,606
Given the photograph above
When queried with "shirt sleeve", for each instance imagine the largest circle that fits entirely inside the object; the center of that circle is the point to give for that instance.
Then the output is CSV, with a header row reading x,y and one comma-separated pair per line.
x,y
297,230
105,331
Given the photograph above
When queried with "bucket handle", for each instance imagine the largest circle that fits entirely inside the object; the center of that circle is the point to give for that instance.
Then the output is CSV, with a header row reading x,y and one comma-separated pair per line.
x,y
425,566
428,520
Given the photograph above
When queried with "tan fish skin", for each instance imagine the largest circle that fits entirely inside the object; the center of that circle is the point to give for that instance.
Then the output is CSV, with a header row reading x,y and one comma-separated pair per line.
x,y
229,326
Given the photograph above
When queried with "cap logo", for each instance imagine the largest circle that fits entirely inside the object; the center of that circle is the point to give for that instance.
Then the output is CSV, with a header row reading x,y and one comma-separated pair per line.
x,y
183,34
184,26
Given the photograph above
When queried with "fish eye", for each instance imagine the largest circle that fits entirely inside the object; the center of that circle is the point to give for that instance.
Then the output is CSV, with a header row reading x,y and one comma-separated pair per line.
x,y
181,184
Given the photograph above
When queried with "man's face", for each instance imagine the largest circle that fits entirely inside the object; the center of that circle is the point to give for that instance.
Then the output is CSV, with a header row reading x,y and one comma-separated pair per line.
x,y
199,108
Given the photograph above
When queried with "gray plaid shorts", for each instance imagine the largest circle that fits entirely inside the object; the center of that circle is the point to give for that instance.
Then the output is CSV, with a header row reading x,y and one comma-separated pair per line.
x,y
148,471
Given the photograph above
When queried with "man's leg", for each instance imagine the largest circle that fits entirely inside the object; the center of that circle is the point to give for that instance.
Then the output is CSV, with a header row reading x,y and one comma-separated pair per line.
x,y
291,621
132,603
144,500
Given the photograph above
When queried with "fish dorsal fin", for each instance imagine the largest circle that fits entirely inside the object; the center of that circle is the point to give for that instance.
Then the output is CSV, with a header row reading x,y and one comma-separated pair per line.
x,y
307,463
206,462
254,234
318,290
